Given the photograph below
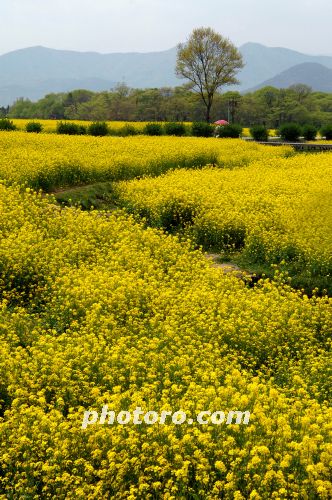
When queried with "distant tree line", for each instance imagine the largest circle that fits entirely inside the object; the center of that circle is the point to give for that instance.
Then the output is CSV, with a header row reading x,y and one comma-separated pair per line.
x,y
4,111
268,106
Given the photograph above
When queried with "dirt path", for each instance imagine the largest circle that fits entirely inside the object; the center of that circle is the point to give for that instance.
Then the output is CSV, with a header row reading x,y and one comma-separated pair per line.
x,y
70,189
227,267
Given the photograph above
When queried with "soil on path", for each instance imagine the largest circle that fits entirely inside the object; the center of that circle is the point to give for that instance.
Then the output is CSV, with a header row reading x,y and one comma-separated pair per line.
x,y
227,267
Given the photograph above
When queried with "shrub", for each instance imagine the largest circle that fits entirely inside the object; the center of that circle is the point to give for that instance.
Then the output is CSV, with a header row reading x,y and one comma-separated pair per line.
x,y
127,130
309,132
70,128
153,129
98,129
290,132
202,129
232,131
259,133
34,127
327,132
6,124
174,128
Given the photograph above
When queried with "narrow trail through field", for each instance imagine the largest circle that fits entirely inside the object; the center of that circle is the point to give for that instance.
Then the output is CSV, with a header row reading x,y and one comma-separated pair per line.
x,y
227,267
70,189
214,258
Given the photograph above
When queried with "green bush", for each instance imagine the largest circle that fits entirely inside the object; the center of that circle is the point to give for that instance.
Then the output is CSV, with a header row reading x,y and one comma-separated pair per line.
x,y
290,132
309,132
174,128
259,133
34,127
327,132
70,128
98,129
153,129
127,130
232,131
6,124
202,129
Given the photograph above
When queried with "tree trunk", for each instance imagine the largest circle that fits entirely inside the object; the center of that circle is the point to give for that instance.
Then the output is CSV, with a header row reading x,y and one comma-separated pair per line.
x,y
208,110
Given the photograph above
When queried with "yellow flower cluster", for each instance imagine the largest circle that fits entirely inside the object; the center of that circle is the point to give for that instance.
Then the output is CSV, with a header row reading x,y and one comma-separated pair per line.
x,y
50,125
50,161
246,132
274,211
97,310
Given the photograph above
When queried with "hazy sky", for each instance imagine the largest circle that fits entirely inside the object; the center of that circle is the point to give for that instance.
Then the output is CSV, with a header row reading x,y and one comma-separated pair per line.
x,y
151,25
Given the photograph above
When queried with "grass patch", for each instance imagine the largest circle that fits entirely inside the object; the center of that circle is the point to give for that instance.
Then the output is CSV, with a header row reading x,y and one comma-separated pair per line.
x,y
98,196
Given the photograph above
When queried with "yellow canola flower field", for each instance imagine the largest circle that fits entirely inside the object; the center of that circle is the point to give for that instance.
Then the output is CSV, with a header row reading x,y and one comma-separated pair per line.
x,y
50,125
51,161
97,310
273,211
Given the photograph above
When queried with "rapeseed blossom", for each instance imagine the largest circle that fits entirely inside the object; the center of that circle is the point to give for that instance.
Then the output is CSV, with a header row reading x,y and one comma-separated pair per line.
x,y
277,211
49,161
97,309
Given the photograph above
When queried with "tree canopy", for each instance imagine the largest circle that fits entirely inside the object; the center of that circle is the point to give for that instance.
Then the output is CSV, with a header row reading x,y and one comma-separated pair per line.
x,y
209,61
269,106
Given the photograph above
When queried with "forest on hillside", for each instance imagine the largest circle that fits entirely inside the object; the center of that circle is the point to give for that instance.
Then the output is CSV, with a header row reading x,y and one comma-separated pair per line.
x,y
269,106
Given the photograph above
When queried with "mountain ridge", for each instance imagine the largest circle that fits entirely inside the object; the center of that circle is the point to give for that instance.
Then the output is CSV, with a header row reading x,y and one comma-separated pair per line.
x,y
314,75
264,63
35,71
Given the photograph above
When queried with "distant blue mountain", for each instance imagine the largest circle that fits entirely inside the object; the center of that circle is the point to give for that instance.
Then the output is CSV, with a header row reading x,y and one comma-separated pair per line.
x,y
36,71
263,63
314,75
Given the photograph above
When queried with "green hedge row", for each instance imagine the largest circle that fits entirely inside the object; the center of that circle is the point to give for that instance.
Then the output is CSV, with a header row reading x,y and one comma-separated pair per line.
x,y
196,129
292,132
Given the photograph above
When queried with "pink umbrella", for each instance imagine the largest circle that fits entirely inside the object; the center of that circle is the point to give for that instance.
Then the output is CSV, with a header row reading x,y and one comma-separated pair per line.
x,y
221,122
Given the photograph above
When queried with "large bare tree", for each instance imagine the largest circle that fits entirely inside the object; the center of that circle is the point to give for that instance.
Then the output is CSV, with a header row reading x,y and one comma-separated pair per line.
x,y
209,61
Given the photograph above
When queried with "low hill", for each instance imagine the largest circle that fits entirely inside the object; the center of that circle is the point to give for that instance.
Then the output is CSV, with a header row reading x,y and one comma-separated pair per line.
x,y
264,63
315,75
